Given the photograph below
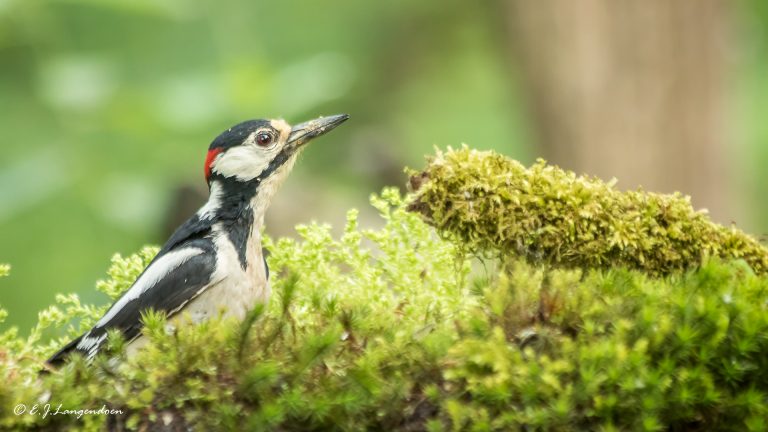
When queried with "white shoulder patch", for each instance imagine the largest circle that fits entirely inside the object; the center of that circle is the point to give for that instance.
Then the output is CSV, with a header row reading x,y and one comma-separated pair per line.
x,y
153,274
214,201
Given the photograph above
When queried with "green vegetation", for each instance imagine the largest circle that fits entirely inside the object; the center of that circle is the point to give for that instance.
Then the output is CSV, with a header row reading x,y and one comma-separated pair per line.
x,y
391,329
550,216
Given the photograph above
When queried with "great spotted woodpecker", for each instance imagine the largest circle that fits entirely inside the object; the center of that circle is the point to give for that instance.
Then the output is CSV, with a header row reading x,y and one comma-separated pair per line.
x,y
214,261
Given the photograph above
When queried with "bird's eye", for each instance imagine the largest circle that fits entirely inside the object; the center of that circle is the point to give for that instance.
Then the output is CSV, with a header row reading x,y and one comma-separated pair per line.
x,y
264,138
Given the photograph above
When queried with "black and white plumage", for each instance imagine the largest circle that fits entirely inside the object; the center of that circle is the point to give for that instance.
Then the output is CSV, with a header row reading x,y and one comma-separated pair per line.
x,y
213,263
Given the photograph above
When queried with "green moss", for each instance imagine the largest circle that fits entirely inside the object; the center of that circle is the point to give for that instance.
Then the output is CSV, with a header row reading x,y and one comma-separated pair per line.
x,y
551,216
388,329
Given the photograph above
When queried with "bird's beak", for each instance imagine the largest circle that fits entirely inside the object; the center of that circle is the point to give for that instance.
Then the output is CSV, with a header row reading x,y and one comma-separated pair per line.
x,y
303,132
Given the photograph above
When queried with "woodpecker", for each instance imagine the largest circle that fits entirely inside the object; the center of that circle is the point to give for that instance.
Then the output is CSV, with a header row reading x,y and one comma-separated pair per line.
x,y
213,263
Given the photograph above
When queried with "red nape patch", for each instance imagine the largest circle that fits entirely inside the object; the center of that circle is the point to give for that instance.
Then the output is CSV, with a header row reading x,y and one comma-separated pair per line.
x,y
209,160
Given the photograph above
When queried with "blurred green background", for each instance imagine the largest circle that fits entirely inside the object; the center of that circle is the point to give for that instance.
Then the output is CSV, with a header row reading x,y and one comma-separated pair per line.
x,y
107,108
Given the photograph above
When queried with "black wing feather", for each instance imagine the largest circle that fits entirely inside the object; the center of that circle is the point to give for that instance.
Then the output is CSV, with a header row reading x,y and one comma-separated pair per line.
x,y
58,358
264,255
167,295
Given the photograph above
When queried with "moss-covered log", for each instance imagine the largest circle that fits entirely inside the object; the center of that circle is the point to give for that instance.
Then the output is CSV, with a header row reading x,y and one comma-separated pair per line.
x,y
388,329
548,215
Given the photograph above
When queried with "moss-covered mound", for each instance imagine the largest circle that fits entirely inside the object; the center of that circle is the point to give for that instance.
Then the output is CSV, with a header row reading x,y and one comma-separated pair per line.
x,y
548,215
390,330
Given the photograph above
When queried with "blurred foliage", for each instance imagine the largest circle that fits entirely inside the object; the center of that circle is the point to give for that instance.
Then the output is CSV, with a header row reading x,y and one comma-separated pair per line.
x,y
407,339
547,215
750,85
107,105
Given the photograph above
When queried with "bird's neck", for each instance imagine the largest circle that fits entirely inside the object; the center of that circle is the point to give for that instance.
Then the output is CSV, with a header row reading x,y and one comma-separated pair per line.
x,y
237,211
235,203
238,208
230,197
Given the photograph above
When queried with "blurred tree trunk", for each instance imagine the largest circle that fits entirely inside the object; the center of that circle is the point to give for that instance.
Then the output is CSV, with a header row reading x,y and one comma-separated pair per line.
x,y
629,89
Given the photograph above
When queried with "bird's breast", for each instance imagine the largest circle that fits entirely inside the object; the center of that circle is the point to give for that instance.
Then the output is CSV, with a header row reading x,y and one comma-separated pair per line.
x,y
234,289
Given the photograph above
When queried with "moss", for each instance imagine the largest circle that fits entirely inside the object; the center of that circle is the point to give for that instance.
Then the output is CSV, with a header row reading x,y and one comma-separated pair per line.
x,y
547,215
389,329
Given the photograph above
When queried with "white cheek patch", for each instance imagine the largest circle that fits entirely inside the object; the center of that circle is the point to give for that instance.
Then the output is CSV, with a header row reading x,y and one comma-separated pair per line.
x,y
244,162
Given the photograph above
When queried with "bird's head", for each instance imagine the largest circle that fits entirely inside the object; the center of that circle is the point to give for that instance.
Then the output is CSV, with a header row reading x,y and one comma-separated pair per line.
x,y
258,150
247,163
